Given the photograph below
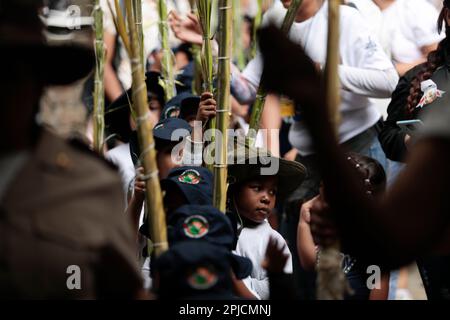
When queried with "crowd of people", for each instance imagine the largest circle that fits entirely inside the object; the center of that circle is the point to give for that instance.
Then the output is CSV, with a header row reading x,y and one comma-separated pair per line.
x,y
376,183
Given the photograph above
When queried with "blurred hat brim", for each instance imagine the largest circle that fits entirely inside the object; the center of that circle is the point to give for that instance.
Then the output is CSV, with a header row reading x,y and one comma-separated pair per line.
x,y
290,174
58,64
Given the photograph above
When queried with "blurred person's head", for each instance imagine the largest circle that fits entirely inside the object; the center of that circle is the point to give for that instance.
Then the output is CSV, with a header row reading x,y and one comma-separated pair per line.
x,y
169,137
183,55
31,60
118,116
370,171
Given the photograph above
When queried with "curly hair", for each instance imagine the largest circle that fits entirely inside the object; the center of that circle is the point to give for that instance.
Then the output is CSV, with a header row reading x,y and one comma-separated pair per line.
x,y
435,59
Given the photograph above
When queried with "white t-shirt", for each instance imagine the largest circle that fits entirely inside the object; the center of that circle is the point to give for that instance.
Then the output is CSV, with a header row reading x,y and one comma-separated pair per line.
x,y
252,243
410,25
121,157
365,70
150,26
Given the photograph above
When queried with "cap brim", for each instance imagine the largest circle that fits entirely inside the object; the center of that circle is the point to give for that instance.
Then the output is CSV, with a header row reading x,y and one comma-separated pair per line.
x,y
242,266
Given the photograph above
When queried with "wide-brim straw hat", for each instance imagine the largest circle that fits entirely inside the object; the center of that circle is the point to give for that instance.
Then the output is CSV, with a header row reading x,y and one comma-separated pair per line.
x,y
59,55
250,162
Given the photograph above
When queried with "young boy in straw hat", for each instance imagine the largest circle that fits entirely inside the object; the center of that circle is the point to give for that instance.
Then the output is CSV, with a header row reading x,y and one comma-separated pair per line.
x,y
257,181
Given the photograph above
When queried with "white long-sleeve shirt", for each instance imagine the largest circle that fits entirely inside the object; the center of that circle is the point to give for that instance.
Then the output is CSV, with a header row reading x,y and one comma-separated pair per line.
x,y
365,71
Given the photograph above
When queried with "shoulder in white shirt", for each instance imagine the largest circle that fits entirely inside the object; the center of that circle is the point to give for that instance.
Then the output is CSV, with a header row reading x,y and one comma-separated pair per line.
x,y
252,243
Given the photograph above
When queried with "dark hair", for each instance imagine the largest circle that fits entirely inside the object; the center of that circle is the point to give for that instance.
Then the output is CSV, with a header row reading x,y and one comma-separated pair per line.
x,y
435,59
371,171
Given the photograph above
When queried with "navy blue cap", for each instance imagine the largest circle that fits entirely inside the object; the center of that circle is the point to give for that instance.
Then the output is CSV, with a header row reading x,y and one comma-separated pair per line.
x,y
164,133
194,270
206,223
167,130
196,184
173,106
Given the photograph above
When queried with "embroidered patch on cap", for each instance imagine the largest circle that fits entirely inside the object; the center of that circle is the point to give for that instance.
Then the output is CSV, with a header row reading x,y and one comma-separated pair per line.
x,y
203,278
430,93
172,112
195,227
189,177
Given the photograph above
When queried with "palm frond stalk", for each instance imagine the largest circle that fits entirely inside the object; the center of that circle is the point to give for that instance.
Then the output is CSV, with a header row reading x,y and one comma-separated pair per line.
x,y
168,57
204,18
331,281
120,25
157,221
258,106
99,88
223,102
137,10
198,78
238,50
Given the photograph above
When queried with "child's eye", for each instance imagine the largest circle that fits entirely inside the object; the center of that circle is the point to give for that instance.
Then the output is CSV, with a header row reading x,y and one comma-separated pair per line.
x,y
256,188
273,192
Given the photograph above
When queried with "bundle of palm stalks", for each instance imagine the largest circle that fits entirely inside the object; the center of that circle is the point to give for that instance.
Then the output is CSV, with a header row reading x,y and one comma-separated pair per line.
x,y
145,122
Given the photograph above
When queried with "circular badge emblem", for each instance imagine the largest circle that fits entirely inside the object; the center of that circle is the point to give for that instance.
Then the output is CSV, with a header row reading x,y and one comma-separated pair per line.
x,y
195,227
203,278
189,177
172,112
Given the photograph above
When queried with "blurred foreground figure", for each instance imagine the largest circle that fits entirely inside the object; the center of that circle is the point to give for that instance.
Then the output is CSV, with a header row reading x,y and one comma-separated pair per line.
x,y
413,219
62,232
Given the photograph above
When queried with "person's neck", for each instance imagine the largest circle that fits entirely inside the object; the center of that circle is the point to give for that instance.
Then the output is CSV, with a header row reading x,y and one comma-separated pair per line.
x,y
249,223
383,4
308,10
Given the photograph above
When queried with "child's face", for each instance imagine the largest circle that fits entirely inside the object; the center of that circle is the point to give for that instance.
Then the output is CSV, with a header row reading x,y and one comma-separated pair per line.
x,y
165,162
256,198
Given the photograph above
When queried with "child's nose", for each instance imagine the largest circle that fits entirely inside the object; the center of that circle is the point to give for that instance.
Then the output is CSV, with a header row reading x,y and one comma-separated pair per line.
x,y
265,198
